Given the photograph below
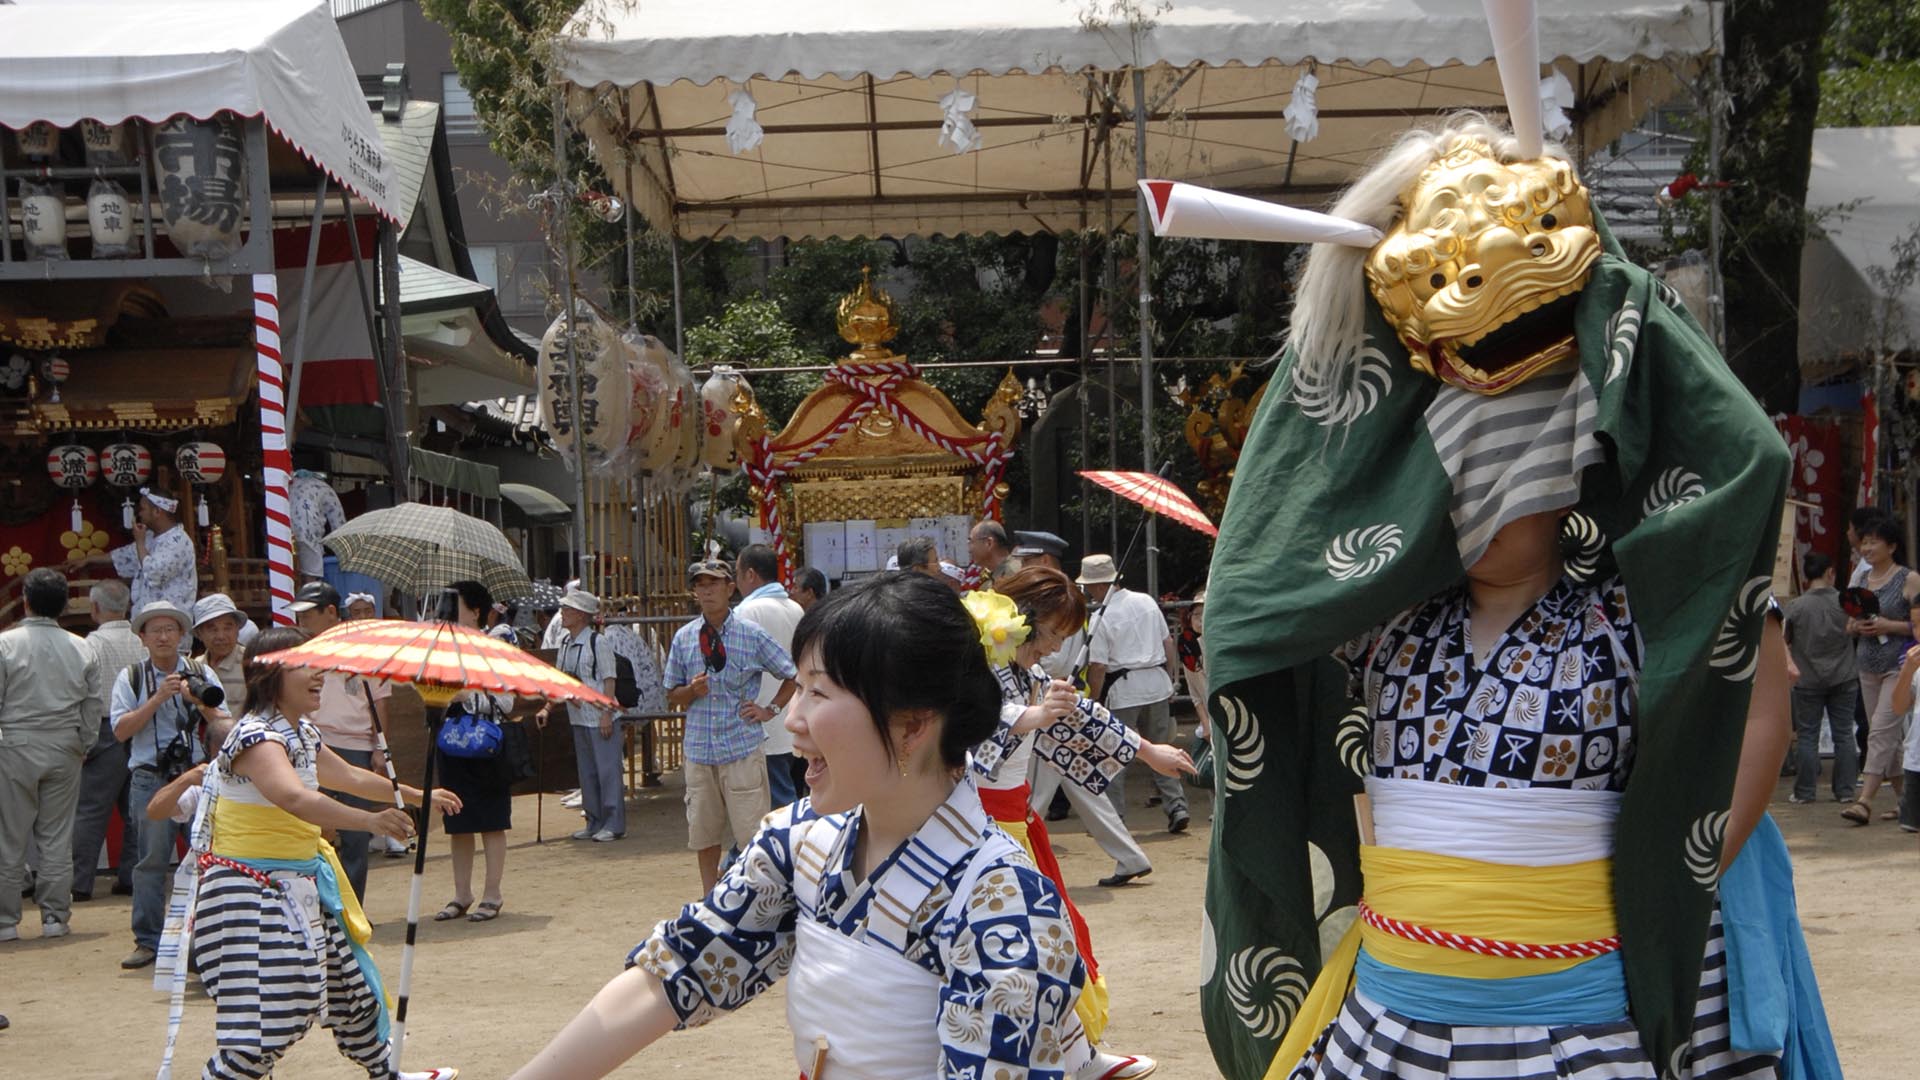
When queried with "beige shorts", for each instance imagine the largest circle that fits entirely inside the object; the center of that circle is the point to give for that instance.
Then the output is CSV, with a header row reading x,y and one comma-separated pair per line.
x,y
726,801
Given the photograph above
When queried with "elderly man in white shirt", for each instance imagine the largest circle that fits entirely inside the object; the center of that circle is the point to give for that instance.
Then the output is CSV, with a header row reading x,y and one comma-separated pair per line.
x,y
159,564
1132,665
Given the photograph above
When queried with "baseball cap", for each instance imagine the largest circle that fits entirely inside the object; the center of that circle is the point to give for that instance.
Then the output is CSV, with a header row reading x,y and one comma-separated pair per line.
x,y
710,568
315,594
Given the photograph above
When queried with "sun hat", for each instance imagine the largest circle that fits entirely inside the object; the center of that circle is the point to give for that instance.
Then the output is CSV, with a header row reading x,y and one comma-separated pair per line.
x,y
161,609
1097,570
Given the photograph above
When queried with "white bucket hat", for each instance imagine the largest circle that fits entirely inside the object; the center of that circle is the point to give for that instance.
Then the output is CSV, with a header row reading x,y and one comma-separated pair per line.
x,y
581,600
212,606
1097,570
161,609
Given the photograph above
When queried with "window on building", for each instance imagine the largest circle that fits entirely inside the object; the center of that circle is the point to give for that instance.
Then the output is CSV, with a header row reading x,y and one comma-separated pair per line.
x,y
456,106
486,265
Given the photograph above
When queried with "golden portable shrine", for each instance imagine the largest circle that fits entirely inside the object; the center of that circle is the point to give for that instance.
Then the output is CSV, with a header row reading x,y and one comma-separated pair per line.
x,y
874,456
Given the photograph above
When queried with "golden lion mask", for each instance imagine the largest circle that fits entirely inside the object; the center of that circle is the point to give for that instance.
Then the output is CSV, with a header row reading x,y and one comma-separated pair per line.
x,y
1480,245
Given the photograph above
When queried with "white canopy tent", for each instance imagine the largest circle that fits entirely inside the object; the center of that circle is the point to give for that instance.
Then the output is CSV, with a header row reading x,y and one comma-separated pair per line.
x,y
774,119
64,61
849,98
1865,182
278,65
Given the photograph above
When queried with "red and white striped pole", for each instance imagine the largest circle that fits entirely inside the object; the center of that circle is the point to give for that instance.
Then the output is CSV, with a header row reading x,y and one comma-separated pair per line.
x,y
276,462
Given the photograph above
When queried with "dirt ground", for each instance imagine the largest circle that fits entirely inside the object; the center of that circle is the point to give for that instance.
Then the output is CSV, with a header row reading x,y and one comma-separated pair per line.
x,y
486,996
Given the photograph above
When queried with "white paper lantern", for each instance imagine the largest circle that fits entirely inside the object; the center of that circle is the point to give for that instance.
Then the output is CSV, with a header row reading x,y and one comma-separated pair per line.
x,y
605,390
38,141
106,144
717,419
43,218
109,220
126,464
201,167
654,440
72,465
201,462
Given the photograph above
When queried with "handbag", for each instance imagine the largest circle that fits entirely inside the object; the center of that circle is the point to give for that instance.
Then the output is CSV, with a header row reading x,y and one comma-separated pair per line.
x,y
516,752
465,734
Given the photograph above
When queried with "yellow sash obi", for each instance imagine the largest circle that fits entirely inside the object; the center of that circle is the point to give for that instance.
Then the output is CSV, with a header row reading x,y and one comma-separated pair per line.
x,y
1449,917
247,831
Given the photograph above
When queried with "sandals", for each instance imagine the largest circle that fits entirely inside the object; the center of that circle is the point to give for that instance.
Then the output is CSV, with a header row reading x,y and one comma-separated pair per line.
x,y
485,911
1859,813
453,910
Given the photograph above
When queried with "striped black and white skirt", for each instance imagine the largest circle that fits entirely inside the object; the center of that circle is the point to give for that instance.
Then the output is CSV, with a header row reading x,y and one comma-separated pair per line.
x,y
1371,1042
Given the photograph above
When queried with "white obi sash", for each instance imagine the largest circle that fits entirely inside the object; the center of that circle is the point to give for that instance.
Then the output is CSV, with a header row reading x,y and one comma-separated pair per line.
x,y
877,1010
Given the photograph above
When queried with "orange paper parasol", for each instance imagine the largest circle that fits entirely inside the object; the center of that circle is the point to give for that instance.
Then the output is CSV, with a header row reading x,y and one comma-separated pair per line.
x,y
1157,494
439,658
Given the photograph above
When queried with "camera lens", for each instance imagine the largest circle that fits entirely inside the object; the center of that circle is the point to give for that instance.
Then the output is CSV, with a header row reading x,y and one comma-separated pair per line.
x,y
210,694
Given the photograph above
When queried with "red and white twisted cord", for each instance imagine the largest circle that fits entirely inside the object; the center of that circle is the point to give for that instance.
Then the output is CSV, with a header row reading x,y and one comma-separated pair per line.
x,y
1512,950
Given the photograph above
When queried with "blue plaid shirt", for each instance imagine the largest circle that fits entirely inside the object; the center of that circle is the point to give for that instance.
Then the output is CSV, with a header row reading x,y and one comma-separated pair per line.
x,y
716,734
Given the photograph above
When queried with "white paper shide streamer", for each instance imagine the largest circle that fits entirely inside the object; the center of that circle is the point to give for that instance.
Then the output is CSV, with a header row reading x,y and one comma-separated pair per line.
x,y
744,133
1187,210
1303,108
1556,98
957,130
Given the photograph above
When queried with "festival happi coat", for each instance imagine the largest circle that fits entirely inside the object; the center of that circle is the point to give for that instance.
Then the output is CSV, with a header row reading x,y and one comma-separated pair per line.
x,y
1500,315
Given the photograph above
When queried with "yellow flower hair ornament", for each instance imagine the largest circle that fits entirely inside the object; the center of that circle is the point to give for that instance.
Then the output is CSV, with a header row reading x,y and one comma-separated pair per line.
x,y
1002,628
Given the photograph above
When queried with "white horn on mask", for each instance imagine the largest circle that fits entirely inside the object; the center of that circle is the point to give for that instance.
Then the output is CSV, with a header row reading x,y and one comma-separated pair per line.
x,y
1516,51
1186,210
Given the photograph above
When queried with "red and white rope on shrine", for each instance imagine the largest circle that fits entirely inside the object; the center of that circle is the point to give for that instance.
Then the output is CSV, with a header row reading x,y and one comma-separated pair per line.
x,y
1513,950
986,450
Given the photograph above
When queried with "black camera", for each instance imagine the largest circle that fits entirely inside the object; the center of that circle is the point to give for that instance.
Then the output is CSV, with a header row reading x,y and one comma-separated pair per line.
x,y
173,759
205,691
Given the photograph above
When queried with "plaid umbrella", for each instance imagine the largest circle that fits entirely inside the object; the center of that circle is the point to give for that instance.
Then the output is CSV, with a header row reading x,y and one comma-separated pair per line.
x,y
1157,494
439,658
418,548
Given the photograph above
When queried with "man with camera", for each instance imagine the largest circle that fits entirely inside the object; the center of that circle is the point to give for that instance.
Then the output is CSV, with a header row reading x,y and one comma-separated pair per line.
x,y
48,677
160,709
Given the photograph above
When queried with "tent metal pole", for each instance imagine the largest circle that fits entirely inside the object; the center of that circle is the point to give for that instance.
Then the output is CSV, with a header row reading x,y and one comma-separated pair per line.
x,y
1140,220
299,353
1080,389
560,204
679,331
1716,137
1110,289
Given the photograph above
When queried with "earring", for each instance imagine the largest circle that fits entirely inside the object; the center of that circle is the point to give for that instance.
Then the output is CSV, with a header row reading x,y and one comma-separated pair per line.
x,y
903,763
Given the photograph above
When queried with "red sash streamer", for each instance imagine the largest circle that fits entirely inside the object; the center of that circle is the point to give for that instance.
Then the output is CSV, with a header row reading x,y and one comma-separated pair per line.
x,y
1010,804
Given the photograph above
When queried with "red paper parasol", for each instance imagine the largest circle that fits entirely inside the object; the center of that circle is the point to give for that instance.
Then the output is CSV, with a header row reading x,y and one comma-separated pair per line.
x,y
439,658
1157,494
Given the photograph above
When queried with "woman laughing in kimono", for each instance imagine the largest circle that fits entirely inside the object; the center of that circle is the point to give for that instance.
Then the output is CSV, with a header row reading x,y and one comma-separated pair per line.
x,y
919,937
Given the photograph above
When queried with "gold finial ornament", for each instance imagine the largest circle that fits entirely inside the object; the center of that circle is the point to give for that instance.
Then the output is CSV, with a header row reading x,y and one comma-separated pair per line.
x,y
1472,274
866,318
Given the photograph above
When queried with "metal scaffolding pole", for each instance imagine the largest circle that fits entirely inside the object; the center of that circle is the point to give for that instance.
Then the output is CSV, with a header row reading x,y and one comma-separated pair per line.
x,y
559,204
1140,220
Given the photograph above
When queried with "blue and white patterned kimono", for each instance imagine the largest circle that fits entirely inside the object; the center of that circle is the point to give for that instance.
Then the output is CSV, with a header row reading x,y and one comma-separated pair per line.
x,y
966,961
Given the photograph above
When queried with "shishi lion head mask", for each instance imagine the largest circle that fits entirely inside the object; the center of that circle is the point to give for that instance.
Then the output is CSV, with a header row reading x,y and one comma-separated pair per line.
x,y
1480,273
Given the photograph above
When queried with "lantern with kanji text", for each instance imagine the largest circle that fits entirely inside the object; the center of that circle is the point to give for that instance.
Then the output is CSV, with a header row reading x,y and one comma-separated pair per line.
x,y
73,466
201,464
126,465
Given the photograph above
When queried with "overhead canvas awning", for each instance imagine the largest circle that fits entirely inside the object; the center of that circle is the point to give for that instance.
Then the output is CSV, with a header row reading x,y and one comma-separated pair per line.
x,y
849,98
533,506
1864,189
63,61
